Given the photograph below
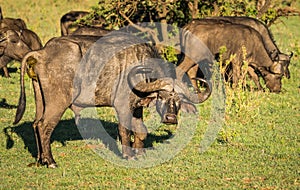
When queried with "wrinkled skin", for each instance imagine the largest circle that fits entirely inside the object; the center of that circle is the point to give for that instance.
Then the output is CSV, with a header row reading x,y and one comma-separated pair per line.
x,y
15,44
223,33
127,95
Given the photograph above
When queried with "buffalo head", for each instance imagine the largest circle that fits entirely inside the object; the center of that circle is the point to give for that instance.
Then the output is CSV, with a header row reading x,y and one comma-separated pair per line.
x,y
281,63
285,60
12,45
169,94
272,80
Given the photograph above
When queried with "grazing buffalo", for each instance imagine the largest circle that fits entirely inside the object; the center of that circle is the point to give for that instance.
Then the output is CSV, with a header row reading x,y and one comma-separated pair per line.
x,y
14,44
234,37
118,70
67,22
13,24
267,37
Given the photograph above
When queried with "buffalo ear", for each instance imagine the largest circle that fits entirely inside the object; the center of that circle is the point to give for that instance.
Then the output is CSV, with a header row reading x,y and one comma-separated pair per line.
x,y
274,55
188,107
149,100
13,36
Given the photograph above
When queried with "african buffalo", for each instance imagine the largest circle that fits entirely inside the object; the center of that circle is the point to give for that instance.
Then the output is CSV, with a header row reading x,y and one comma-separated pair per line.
x,y
216,34
118,70
14,44
267,37
67,22
13,24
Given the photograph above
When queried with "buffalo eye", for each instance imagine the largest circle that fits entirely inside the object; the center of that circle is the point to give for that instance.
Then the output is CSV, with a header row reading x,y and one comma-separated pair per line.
x,y
14,39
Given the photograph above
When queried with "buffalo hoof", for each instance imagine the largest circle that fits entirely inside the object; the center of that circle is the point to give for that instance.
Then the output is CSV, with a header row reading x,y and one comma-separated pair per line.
x,y
53,165
139,151
34,164
127,153
131,157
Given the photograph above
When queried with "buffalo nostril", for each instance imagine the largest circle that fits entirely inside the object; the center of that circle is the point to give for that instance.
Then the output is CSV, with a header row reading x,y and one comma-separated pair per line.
x,y
170,119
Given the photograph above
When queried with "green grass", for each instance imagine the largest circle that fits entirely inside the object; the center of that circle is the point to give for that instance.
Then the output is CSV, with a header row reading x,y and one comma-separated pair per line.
x,y
257,148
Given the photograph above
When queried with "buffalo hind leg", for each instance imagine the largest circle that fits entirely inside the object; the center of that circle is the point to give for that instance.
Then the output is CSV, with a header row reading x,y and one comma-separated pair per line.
x,y
45,128
39,107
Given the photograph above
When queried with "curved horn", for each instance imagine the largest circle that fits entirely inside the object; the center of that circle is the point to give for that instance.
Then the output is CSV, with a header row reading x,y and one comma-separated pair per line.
x,y
3,37
202,96
198,97
147,87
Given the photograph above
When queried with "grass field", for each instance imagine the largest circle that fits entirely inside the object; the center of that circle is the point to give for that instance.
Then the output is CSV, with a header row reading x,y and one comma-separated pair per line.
x,y
258,146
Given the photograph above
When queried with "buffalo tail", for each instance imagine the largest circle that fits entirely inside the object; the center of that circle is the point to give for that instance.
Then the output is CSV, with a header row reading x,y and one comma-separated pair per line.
x,y
22,99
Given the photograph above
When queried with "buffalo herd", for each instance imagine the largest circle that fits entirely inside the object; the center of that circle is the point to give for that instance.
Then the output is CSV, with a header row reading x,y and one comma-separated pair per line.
x,y
95,67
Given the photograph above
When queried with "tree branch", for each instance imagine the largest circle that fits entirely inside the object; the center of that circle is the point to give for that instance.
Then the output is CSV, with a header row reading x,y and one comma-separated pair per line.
x,y
151,32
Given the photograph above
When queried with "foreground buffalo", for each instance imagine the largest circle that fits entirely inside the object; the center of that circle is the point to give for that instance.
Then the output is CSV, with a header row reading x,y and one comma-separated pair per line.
x,y
234,37
15,44
267,37
119,71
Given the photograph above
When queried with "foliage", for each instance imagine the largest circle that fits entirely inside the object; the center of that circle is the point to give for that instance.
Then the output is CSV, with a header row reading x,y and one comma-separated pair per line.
x,y
179,12
120,13
267,11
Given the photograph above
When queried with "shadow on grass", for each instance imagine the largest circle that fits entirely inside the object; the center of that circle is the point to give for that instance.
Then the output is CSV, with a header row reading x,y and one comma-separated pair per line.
x,y
66,130
10,70
4,104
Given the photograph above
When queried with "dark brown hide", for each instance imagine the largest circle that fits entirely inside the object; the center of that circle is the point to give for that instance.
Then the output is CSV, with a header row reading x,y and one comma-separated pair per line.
x,y
234,37
267,37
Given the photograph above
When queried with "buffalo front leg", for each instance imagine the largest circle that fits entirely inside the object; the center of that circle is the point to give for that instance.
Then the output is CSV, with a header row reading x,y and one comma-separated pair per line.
x,y
6,73
236,74
39,107
254,77
4,60
139,131
124,134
